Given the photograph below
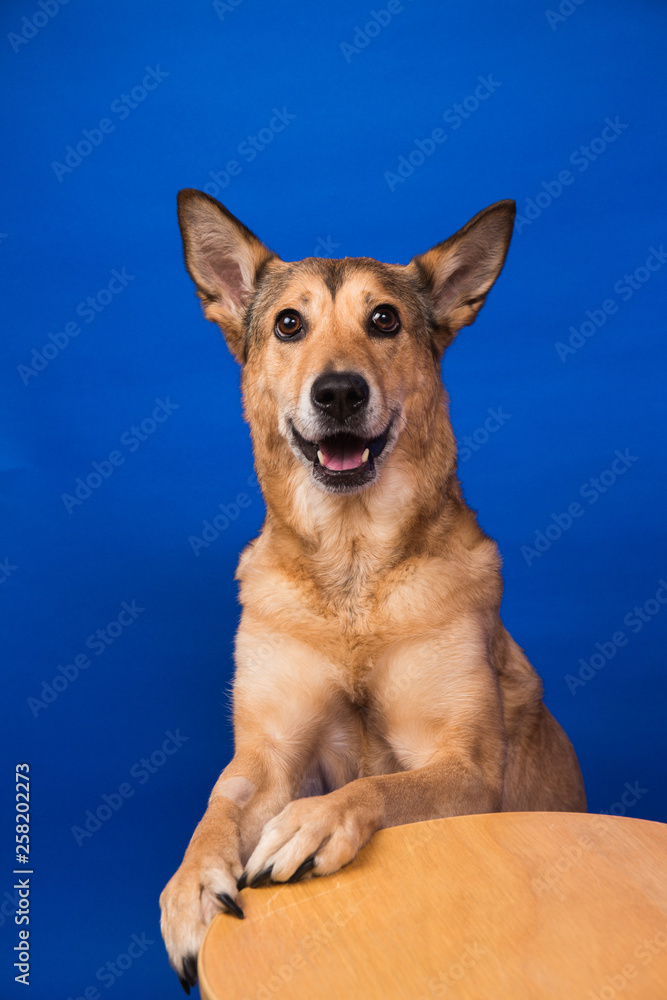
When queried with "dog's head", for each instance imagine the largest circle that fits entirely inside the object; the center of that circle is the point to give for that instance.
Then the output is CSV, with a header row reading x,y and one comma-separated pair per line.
x,y
341,357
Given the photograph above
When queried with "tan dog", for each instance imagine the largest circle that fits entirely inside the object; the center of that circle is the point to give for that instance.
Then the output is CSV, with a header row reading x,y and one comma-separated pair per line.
x,y
375,683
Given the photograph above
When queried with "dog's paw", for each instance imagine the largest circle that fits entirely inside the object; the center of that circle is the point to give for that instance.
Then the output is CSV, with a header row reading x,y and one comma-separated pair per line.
x,y
189,902
313,836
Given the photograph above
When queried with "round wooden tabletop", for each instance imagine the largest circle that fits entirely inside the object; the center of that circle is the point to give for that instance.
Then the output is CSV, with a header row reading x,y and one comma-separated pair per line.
x,y
522,906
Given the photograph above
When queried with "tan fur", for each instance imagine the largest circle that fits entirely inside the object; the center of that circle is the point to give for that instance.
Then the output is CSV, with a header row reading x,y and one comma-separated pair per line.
x,y
373,673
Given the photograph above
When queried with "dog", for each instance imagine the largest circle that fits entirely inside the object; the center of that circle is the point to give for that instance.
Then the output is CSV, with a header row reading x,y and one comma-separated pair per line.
x,y
375,683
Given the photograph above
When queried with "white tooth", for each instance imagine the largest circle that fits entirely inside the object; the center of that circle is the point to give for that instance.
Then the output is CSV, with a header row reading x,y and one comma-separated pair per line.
x,y
364,457
320,457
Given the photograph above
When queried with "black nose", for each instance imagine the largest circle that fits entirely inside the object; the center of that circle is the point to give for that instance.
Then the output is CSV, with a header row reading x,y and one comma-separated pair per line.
x,y
339,394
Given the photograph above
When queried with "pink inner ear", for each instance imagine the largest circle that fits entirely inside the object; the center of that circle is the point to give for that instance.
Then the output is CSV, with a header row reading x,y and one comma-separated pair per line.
x,y
454,286
224,273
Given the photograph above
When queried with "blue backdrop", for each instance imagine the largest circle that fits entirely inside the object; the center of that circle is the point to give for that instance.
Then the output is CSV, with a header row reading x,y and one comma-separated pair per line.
x,y
334,130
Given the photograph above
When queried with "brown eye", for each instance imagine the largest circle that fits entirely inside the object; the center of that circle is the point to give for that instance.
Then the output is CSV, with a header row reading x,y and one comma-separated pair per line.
x,y
288,324
385,320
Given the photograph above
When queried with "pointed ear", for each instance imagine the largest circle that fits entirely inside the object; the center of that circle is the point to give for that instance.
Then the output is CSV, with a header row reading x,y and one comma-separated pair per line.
x,y
458,274
223,259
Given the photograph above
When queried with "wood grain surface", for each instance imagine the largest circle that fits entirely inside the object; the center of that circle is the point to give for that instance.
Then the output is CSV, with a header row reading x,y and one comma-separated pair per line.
x,y
507,905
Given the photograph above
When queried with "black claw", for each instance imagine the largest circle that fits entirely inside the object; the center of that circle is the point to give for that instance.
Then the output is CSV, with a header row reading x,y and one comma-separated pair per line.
x,y
263,877
242,882
184,985
303,869
231,904
190,969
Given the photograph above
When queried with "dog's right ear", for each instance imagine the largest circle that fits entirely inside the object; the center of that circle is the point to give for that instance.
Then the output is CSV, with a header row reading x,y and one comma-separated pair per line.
x,y
223,259
459,273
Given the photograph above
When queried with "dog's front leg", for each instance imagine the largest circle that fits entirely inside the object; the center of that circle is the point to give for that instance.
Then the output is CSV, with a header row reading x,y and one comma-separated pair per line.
x,y
323,833
250,789
279,694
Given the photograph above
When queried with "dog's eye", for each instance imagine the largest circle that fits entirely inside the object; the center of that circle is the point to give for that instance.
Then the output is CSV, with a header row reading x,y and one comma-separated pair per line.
x,y
385,320
288,324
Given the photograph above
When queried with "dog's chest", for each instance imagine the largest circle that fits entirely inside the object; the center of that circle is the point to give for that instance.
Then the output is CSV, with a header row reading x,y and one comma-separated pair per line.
x,y
350,621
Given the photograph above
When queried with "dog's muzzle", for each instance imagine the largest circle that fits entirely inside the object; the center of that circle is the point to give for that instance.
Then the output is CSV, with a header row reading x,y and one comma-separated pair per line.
x,y
342,457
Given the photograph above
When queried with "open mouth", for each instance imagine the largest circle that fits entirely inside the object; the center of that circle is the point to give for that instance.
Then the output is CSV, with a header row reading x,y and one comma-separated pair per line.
x,y
342,461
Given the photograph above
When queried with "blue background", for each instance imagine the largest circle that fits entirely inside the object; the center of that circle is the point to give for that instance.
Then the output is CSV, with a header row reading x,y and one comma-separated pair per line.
x,y
318,187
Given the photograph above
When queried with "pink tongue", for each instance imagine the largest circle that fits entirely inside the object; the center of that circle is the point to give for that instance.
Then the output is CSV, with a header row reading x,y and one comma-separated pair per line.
x,y
341,457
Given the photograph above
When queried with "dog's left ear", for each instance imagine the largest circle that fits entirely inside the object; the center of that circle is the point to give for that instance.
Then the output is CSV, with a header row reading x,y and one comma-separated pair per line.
x,y
223,259
458,273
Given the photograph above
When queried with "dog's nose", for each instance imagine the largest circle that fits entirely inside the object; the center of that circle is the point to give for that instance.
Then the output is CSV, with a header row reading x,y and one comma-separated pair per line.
x,y
339,394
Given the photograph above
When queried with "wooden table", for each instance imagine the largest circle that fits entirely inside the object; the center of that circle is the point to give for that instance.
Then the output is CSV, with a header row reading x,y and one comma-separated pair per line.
x,y
508,906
